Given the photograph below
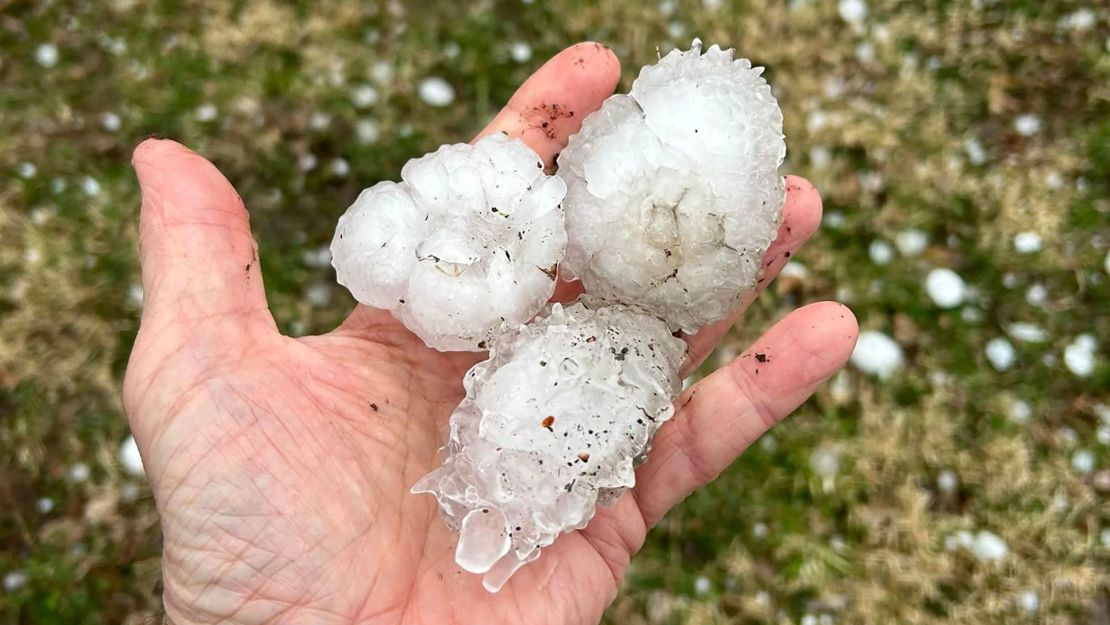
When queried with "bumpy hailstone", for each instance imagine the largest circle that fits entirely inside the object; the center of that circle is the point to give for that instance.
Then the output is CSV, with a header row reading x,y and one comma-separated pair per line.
x,y
552,424
469,239
673,191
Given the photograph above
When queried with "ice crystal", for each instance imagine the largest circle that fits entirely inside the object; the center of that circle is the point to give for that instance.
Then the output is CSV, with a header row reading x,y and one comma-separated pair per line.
x,y
552,424
469,239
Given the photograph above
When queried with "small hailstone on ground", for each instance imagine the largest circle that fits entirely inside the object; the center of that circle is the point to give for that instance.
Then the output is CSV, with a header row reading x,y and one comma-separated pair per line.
x,y
364,96
1036,294
44,505
317,258
381,71
825,463
14,580
1027,124
135,295
1029,601
881,252
307,162
319,120
760,530
702,585
1104,537
1000,353
46,55
988,547
808,619
436,91
673,190
1079,355
911,242
1027,332
367,130
877,354
1080,20
1027,242
318,294
768,443
552,424
520,51
947,481
110,121
90,186
853,11
820,157
27,169
945,287
469,239
1019,411
976,153
340,167
206,112
79,472
1083,461
129,457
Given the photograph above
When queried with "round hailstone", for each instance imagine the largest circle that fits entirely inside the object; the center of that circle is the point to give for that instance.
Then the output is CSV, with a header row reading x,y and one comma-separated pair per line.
x,y
947,481
129,457
877,354
552,424
1079,355
673,191
436,91
1027,124
881,252
1028,332
988,547
1029,601
46,55
1083,461
945,287
911,242
1000,353
469,239
1027,242
520,51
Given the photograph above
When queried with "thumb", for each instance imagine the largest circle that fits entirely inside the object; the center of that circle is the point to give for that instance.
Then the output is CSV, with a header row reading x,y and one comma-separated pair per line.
x,y
203,293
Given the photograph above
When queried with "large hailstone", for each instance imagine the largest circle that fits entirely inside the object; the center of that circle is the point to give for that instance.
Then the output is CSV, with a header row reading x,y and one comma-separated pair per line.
x,y
673,191
552,424
468,240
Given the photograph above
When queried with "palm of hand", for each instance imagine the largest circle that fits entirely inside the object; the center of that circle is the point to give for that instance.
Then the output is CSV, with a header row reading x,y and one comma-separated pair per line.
x,y
281,467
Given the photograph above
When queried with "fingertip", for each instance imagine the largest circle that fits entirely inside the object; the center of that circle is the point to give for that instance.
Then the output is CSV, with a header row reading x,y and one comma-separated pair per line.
x,y
597,58
803,208
828,331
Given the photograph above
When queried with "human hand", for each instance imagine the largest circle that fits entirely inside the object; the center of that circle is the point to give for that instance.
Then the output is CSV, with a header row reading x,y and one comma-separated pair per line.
x,y
281,467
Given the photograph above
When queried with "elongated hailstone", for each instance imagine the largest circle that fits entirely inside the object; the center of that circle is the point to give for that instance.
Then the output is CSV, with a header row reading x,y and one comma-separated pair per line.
x,y
551,425
673,191
469,239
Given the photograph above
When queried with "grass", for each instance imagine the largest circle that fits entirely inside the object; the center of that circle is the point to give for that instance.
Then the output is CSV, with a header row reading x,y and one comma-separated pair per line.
x,y
910,121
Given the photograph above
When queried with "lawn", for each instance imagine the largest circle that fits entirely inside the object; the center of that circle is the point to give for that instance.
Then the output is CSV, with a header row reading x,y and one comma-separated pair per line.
x,y
969,483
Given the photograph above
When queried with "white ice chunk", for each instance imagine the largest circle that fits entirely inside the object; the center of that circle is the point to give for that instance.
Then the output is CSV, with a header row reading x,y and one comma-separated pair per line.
x,y
946,288
673,191
877,354
552,424
468,240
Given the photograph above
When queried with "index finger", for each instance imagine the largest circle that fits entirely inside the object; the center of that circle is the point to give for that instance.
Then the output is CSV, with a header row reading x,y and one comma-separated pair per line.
x,y
550,106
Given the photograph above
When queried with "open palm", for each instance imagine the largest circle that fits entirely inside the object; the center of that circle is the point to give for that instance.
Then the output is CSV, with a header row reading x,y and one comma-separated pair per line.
x,y
281,466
